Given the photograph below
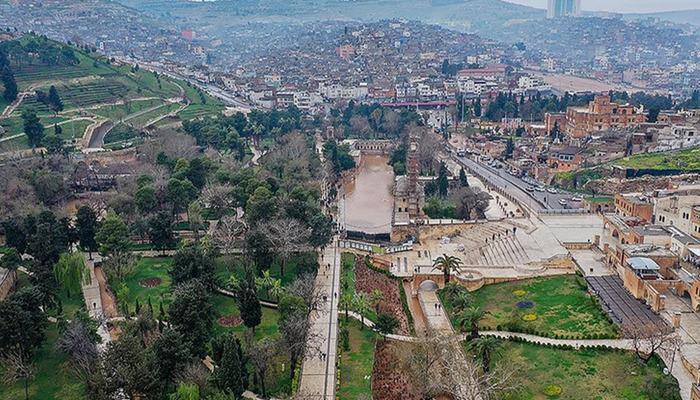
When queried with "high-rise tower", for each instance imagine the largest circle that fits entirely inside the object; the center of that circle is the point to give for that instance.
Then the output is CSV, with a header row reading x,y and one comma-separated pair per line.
x,y
563,8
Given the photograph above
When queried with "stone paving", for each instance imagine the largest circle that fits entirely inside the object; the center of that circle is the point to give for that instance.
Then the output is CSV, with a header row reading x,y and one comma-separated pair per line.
x,y
318,370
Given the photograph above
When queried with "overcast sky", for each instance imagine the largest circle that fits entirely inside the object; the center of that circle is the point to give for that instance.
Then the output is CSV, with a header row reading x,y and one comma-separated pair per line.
x,y
624,5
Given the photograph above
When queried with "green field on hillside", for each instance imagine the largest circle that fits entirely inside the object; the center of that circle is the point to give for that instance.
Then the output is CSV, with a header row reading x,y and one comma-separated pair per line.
x,y
688,159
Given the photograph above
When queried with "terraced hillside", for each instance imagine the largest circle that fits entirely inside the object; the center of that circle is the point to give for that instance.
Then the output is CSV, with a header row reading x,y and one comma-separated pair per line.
x,y
93,90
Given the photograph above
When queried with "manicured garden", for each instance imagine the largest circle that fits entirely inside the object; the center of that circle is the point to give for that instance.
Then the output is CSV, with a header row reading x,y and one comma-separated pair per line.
x,y
555,307
544,373
356,359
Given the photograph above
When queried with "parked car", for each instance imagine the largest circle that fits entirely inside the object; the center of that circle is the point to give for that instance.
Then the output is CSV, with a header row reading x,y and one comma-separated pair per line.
x,y
540,188
562,202
577,199
530,189
552,191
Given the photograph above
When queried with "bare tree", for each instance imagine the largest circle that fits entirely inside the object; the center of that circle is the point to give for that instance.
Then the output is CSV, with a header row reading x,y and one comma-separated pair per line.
x,y
428,148
649,338
119,265
217,197
471,202
437,365
262,354
298,339
288,236
228,231
17,365
305,287
79,344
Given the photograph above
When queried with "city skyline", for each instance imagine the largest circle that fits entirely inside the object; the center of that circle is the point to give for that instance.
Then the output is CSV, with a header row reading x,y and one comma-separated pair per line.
x,y
624,6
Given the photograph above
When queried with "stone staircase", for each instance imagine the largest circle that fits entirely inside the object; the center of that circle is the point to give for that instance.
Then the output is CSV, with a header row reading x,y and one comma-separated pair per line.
x,y
506,251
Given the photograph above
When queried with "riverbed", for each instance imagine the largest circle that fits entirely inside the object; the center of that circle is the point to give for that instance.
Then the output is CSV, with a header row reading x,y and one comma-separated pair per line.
x,y
368,200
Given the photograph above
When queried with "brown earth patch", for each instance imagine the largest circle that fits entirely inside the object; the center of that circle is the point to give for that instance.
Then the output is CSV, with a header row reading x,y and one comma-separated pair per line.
x,y
230,320
150,282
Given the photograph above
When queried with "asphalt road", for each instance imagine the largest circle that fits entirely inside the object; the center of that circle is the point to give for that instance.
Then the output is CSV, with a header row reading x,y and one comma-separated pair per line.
x,y
517,187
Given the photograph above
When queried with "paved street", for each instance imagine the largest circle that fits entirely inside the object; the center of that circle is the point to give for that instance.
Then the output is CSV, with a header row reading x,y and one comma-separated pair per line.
x,y
318,371
515,186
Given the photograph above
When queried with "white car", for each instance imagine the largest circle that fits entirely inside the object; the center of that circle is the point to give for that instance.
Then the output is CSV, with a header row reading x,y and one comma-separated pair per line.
x,y
530,189
562,202
540,188
577,199
552,191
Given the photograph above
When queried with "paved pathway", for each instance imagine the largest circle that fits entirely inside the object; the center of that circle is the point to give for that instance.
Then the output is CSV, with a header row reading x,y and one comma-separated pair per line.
x,y
318,373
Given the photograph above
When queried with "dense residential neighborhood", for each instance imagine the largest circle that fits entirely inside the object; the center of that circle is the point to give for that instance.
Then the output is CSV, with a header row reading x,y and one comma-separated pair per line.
x,y
445,199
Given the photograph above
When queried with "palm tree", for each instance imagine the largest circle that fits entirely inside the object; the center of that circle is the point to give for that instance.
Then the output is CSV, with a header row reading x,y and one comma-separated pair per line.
x,y
375,298
276,290
345,303
471,317
362,305
462,301
484,348
447,264
452,289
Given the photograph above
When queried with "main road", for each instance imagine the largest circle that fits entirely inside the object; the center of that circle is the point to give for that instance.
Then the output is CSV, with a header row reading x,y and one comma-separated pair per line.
x,y
516,187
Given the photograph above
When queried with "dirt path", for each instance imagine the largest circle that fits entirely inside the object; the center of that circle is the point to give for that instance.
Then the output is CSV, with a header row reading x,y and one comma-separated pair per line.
x,y
109,303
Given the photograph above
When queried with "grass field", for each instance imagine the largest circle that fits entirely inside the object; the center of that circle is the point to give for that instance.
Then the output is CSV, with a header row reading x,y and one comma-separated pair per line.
x,y
72,129
583,374
560,307
53,380
688,159
357,363
149,267
116,112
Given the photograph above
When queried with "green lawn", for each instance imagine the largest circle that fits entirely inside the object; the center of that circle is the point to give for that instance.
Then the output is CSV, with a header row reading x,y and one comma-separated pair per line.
x,y
583,374
54,379
688,159
149,267
116,112
561,307
356,363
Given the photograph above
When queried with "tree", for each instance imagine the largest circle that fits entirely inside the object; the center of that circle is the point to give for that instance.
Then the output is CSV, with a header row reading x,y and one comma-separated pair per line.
x,y
648,339
295,329
22,321
484,348
442,182
54,144
146,199
192,315
470,318
17,365
193,263
85,226
262,355
509,149
260,206
79,341
172,354
362,305
248,302
194,218
160,231
287,236
113,235
71,272
186,392
463,181
128,369
345,304
54,100
227,233
179,193
321,230
32,128
386,324
8,81
229,372
471,202
447,264
461,301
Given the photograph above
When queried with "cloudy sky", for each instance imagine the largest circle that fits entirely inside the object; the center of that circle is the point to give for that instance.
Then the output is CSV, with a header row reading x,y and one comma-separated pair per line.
x,y
624,5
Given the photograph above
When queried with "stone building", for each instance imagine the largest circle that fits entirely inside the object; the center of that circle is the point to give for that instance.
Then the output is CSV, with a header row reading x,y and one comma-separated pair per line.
x,y
601,114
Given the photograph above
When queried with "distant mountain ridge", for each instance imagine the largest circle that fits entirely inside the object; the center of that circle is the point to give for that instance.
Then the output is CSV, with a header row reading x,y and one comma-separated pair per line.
x,y
479,16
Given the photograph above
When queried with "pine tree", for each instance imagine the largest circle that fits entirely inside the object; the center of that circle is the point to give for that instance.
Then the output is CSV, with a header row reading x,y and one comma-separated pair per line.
x,y
54,100
229,373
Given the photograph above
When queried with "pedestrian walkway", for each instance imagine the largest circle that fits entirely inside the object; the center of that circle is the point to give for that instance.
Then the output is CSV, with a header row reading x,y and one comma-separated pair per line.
x,y
318,370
